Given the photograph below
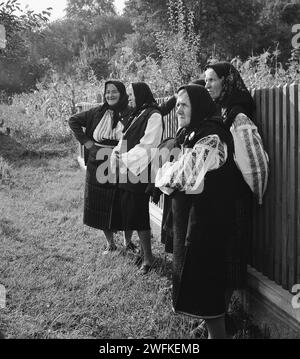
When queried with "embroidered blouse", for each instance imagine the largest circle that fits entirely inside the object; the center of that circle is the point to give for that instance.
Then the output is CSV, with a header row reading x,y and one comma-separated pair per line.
x,y
104,128
250,156
188,171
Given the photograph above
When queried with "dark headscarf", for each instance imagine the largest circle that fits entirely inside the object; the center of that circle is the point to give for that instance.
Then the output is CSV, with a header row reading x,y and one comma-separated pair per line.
x,y
203,119
143,99
234,97
143,96
199,82
121,105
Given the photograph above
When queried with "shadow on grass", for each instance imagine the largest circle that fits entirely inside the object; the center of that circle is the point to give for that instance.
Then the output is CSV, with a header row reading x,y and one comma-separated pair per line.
x,y
13,150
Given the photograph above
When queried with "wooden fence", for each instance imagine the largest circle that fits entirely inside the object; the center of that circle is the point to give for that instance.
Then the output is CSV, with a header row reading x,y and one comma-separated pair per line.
x,y
275,242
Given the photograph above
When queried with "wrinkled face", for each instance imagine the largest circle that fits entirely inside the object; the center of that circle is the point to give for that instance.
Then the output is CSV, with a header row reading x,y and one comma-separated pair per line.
x,y
131,97
183,109
112,94
213,83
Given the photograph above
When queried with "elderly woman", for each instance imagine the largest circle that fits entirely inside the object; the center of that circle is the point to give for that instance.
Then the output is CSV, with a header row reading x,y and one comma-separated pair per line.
x,y
199,183
132,158
237,107
103,129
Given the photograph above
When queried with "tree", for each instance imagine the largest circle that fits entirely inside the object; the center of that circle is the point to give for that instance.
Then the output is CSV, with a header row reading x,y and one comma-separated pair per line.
x,y
227,28
147,17
61,41
89,9
18,70
107,31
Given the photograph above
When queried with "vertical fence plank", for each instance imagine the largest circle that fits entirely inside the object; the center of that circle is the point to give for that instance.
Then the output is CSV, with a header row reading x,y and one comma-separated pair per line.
x,y
269,196
262,213
291,202
256,234
297,161
278,180
285,116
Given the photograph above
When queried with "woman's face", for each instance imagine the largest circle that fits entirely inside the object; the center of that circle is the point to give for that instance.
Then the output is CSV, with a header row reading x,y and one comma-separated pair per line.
x,y
213,83
183,109
112,94
131,97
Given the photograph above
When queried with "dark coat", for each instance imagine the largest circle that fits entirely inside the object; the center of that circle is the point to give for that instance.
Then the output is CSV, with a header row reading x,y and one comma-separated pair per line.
x,y
89,120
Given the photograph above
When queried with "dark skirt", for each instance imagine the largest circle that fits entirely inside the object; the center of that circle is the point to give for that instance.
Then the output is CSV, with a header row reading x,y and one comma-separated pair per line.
x,y
134,208
237,249
238,241
100,209
198,262
166,225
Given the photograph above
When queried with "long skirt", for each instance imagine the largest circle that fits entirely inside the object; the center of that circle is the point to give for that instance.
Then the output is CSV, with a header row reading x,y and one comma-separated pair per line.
x,y
238,241
238,245
198,262
101,209
134,209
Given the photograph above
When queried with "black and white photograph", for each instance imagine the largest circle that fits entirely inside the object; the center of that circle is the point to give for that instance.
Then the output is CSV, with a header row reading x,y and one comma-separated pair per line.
x,y
149,173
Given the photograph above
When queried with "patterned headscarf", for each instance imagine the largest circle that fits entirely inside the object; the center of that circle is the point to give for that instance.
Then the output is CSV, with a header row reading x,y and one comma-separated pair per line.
x,y
234,96
121,105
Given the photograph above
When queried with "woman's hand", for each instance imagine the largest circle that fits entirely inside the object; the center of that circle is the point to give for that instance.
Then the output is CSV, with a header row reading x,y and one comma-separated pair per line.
x,y
89,144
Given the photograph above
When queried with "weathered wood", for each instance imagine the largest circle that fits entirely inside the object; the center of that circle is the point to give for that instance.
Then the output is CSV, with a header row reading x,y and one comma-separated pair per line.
x,y
284,183
278,190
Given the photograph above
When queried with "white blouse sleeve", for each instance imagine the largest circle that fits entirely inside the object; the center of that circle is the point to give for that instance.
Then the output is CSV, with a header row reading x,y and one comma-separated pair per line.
x,y
249,155
139,157
188,172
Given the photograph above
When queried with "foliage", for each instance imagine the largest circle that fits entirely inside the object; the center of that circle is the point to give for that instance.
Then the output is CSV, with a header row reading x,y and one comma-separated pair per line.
x,y
129,67
42,115
147,17
179,46
265,71
88,9
19,71
61,41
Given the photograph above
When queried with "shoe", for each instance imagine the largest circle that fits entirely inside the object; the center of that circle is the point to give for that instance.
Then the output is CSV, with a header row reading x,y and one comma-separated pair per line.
x,y
138,260
130,247
146,268
109,249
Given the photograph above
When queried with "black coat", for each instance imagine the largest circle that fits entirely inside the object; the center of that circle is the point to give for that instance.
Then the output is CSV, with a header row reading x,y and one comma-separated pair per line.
x,y
89,120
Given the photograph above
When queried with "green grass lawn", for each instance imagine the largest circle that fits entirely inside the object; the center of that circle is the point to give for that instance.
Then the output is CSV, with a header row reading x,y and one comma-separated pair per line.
x,y
58,283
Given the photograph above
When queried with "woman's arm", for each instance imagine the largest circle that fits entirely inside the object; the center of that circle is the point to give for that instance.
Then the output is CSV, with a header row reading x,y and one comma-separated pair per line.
x,y
188,172
167,107
77,122
250,156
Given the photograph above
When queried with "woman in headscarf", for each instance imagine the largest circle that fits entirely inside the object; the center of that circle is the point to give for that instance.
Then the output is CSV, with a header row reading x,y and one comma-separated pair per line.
x,y
199,183
103,129
132,158
166,107
236,106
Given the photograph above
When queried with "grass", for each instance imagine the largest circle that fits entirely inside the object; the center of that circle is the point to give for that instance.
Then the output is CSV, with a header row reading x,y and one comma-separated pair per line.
x,y
58,283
